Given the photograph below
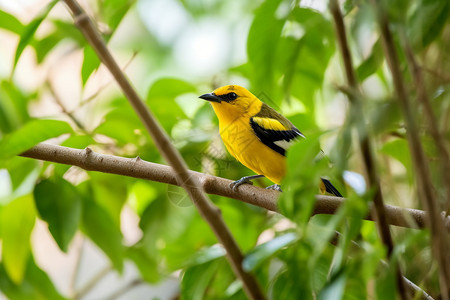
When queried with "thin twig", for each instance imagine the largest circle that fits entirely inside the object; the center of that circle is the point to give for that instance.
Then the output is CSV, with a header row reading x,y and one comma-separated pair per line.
x,y
439,241
76,270
58,101
364,142
267,199
423,98
92,282
208,210
124,289
413,288
103,87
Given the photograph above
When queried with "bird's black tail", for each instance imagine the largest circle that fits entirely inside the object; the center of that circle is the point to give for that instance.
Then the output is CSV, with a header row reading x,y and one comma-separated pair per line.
x,y
329,187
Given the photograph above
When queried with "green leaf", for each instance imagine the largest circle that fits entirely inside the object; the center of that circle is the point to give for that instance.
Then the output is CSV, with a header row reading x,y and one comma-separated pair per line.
x,y
161,100
11,23
335,289
196,280
29,31
399,149
371,64
91,62
23,173
262,42
262,252
59,204
17,221
29,135
303,77
114,11
427,21
147,264
99,226
13,107
36,284
206,255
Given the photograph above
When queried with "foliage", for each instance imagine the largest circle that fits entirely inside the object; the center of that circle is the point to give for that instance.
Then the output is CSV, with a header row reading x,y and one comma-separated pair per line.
x,y
293,64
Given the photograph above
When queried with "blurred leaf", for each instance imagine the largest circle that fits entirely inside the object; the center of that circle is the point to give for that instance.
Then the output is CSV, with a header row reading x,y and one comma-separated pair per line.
x,y
79,141
103,231
122,124
29,135
427,21
114,10
385,117
262,252
44,46
29,31
90,63
17,221
302,179
11,23
385,285
110,192
371,64
13,107
302,77
399,149
36,284
59,204
196,279
161,100
147,265
262,43
334,289
23,173
205,255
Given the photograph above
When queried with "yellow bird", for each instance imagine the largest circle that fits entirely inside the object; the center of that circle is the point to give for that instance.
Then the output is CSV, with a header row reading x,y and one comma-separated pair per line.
x,y
255,134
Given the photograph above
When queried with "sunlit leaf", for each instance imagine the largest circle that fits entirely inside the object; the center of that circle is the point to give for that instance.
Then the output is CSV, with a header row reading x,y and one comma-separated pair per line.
x,y
29,135
36,284
17,220
262,252
29,31
196,279
427,21
262,43
11,23
161,100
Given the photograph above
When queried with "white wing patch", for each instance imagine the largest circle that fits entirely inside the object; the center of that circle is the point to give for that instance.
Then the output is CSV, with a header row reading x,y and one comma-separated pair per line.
x,y
284,144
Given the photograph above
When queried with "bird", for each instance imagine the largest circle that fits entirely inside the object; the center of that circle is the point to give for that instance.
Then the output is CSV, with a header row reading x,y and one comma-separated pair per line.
x,y
256,135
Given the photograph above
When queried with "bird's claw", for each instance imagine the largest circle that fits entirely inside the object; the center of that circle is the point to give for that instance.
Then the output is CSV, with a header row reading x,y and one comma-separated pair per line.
x,y
275,187
235,184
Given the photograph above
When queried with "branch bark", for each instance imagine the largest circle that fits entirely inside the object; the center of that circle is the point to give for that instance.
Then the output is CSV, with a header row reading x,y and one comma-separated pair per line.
x,y
364,142
207,210
138,168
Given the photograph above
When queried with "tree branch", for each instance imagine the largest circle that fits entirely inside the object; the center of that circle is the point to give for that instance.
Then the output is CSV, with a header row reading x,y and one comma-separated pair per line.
x,y
207,210
439,240
364,142
138,168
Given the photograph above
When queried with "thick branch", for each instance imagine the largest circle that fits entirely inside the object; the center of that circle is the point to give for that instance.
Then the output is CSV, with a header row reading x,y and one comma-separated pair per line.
x,y
137,168
207,210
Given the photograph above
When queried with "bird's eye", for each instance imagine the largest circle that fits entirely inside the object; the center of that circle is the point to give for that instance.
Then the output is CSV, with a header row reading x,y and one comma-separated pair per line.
x,y
232,96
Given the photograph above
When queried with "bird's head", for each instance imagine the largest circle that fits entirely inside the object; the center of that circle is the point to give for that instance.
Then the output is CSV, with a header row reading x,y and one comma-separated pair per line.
x,y
233,101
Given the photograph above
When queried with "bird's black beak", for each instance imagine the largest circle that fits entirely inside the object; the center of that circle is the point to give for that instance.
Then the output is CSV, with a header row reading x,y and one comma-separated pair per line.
x,y
211,97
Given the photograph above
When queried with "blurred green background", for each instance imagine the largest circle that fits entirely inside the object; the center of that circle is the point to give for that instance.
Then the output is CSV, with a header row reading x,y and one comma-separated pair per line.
x,y
68,233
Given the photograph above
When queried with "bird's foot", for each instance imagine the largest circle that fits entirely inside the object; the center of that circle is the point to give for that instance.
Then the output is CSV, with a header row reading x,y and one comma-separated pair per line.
x,y
275,187
244,180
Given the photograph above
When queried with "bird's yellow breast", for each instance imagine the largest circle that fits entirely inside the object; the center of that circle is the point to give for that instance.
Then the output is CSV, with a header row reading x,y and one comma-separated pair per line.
x,y
244,145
